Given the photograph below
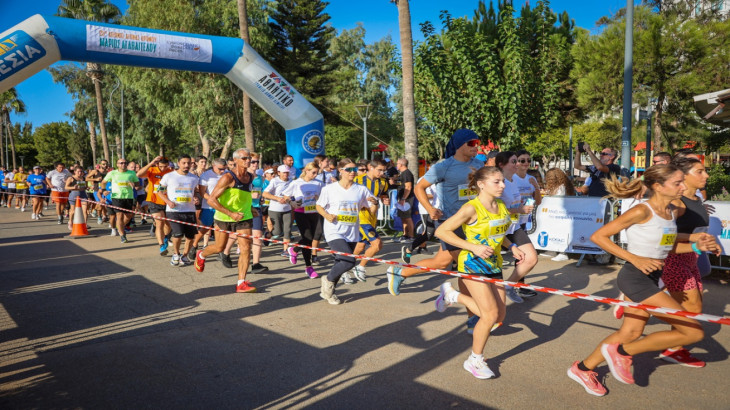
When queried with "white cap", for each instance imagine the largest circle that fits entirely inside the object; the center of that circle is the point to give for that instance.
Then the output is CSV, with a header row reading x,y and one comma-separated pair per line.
x,y
269,171
283,168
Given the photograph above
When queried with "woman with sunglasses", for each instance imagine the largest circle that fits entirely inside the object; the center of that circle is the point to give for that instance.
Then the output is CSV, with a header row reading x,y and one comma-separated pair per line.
x,y
76,186
340,205
530,192
507,162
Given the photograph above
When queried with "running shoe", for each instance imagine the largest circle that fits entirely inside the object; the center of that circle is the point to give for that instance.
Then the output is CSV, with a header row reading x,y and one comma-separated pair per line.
x,y
258,268
225,260
185,261
284,254
619,364
245,287
683,357
587,379
478,368
405,254
311,272
163,247
22,209
192,252
292,255
359,273
471,323
60,221
124,239
618,310
199,262
495,327
143,221
175,260
99,221
397,239
441,302
32,216
394,280
127,229
315,259
512,294
346,278
560,257
526,293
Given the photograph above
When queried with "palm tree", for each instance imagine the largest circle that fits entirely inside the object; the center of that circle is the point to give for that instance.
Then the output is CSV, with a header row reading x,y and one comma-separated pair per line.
x,y
410,135
9,102
94,10
247,123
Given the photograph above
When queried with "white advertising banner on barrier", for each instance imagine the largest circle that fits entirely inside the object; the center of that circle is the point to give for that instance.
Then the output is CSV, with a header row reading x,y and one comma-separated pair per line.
x,y
720,224
565,224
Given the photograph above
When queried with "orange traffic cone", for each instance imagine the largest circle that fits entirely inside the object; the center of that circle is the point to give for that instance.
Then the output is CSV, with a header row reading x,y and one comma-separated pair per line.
x,y
79,224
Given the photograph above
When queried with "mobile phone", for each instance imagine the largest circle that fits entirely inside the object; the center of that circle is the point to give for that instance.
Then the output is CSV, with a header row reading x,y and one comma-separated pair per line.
x,y
580,147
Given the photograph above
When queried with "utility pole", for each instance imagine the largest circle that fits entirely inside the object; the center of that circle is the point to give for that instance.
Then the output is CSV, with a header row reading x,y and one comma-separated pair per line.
x,y
628,88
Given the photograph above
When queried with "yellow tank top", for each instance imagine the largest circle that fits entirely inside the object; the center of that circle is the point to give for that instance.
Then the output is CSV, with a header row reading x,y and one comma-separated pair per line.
x,y
488,229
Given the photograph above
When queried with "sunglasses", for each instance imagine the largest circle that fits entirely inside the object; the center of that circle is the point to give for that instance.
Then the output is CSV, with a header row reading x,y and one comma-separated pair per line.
x,y
255,162
351,169
473,143
122,163
524,161
605,153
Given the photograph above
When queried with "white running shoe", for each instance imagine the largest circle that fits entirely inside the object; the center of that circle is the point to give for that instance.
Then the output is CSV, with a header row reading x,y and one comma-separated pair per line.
x,y
114,232
346,278
32,216
478,368
560,257
359,273
442,301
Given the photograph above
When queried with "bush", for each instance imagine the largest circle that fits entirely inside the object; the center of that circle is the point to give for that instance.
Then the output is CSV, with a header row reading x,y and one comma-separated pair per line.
x,y
719,180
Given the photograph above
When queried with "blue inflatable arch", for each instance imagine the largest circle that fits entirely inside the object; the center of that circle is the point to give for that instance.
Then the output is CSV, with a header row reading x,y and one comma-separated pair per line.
x,y
40,41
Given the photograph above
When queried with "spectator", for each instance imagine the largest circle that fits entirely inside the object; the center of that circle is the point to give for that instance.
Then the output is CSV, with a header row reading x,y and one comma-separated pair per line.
x,y
601,169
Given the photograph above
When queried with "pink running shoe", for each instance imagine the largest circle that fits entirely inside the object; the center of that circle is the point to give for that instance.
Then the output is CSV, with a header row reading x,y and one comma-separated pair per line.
x,y
311,272
292,255
683,357
587,379
619,364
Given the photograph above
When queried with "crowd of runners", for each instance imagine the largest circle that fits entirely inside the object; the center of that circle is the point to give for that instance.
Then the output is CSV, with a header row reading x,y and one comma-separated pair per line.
x,y
477,207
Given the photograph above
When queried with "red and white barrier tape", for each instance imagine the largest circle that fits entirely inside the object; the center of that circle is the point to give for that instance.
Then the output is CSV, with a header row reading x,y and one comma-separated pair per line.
x,y
655,309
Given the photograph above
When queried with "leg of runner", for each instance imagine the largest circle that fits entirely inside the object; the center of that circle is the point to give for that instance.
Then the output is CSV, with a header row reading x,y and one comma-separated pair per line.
x,y
307,224
257,232
225,256
221,239
342,264
244,259
396,275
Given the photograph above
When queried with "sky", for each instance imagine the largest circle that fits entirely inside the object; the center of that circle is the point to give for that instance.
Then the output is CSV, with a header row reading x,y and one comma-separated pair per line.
x,y
48,102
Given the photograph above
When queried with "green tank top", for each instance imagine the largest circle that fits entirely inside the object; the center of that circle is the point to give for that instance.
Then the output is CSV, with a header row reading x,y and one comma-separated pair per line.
x,y
237,199
489,229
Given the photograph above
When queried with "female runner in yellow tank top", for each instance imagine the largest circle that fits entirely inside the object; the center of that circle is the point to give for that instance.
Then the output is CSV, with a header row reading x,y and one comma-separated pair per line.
x,y
485,221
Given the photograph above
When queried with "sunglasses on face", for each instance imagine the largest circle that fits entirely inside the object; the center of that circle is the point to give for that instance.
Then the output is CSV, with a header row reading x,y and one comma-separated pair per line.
x,y
524,161
473,143
351,169
605,153
122,163
255,161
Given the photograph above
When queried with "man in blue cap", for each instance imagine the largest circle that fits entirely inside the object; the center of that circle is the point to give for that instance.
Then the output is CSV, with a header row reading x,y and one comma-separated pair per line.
x,y
450,178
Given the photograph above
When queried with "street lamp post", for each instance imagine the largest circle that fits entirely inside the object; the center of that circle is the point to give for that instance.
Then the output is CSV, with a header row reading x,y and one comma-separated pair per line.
x,y
363,110
22,157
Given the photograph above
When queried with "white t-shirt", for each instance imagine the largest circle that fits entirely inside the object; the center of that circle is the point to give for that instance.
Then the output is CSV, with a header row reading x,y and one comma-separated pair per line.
x,y
9,177
346,204
526,188
435,201
58,180
209,179
180,189
305,192
512,198
276,188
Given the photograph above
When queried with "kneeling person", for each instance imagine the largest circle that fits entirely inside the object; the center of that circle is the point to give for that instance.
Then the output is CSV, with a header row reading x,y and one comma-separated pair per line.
x,y
176,190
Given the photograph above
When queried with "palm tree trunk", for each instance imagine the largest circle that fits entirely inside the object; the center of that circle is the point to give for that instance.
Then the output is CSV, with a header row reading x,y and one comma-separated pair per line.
x,y
92,138
247,123
10,137
410,136
94,71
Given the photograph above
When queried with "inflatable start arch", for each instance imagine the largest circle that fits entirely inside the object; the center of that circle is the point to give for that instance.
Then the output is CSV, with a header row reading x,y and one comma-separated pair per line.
x,y
40,41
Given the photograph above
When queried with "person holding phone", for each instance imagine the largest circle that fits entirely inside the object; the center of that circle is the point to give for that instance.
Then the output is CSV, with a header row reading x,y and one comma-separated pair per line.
x,y
602,167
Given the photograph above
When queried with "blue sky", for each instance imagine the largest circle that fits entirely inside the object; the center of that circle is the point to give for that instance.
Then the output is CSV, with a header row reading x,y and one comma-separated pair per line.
x,y
48,102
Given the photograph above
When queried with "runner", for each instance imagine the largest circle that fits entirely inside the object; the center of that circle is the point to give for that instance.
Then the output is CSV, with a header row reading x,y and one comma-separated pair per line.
x,y
258,217
451,179
56,179
38,186
154,171
231,198
21,188
326,177
141,194
96,176
484,221
76,186
651,233
123,186
373,180
340,205
681,275
512,197
206,184
279,208
304,192
177,190
10,180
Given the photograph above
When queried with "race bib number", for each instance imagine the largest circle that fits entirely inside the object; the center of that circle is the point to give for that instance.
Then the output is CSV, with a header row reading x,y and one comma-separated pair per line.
x,y
38,187
498,228
668,237
309,202
466,194
183,195
347,213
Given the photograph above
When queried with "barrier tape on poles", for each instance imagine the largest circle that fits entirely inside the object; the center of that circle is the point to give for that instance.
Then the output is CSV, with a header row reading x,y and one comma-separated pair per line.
x,y
583,296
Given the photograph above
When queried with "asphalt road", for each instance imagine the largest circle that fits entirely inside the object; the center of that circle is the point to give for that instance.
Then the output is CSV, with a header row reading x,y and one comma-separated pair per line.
x,y
92,323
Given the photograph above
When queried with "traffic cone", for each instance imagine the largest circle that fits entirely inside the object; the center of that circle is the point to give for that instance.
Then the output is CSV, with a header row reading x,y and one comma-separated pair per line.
x,y
78,229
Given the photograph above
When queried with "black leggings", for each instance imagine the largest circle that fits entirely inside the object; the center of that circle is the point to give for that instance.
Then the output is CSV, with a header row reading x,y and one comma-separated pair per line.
x,y
342,263
307,224
427,234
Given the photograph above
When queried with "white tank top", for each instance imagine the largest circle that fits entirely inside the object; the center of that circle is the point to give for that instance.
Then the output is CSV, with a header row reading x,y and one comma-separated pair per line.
x,y
653,239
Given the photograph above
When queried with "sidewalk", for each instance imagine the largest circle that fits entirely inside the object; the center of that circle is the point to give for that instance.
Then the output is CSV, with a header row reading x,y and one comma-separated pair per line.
x,y
92,323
